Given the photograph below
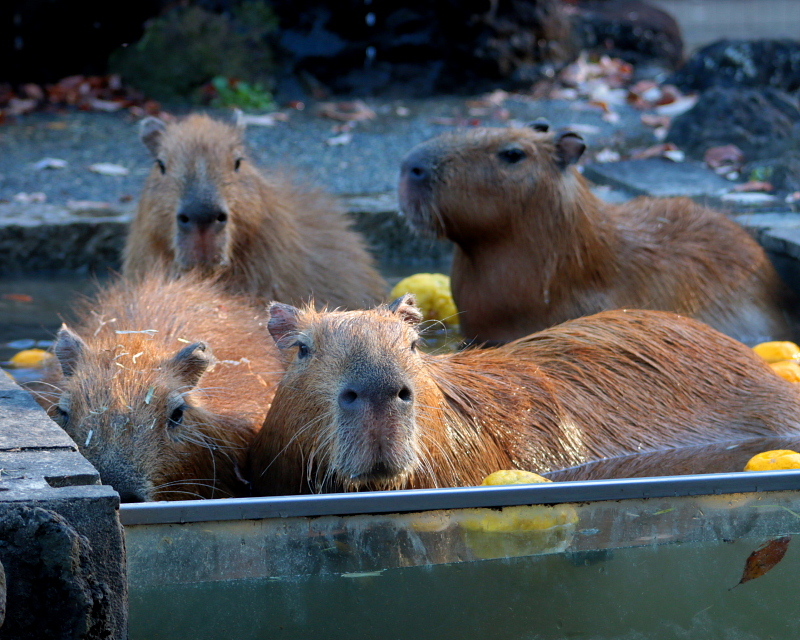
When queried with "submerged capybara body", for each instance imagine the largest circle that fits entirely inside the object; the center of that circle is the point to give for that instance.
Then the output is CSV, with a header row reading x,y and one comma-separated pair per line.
x,y
206,207
361,407
534,247
147,402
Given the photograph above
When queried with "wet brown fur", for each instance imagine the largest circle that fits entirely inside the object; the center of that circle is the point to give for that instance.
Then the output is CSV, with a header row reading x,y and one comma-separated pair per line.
x,y
124,387
282,243
534,246
606,385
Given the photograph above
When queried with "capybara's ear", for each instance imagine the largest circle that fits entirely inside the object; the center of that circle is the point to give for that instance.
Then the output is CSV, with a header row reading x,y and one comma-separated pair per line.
x,y
406,307
282,322
150,130
68,348
569,148
191,362
540,124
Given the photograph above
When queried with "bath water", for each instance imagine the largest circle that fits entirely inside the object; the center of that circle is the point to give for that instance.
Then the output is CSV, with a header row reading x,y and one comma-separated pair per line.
x,y
664,591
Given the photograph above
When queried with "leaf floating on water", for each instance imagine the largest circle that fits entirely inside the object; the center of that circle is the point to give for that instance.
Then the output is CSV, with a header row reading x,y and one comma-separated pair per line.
x,y
362,574
764,558
18,297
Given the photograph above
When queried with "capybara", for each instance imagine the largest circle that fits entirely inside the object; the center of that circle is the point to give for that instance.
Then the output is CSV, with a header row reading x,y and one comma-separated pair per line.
x,y
205,206
138,389
535,247
362,407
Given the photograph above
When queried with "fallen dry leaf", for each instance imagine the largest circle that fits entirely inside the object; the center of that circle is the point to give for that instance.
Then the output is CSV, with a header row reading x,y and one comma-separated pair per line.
x,y
754,185
92,208
493,99
654,120
28,198
456,121
677,107
50,163
585,129
341,139
607,155
109,106
19,107
109,169
764,559
263,120
33,91
346,111
657,151
724,155
669,95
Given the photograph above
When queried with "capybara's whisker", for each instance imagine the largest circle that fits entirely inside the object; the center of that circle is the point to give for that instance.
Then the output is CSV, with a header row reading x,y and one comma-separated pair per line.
x,y
141,395
611,384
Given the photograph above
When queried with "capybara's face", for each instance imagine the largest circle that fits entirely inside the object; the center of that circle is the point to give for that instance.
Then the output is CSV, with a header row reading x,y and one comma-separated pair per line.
x,y
133,415
465,184
200,170
352,377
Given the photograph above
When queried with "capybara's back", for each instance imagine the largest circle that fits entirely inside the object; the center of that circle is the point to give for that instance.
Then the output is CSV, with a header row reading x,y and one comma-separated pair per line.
x,y
535,247
162,385
361,407
206,207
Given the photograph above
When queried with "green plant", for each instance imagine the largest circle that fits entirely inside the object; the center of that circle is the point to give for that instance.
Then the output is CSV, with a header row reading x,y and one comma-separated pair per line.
x,y
761,174
184,49
237,93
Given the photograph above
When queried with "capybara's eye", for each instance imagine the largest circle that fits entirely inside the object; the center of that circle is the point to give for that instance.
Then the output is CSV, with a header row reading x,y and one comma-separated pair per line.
x,y
162,167
176,417
237,164
512,156
303,351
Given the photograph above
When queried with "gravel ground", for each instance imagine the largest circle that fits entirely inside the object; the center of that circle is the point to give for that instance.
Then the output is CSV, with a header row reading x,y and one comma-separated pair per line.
x,y
367,165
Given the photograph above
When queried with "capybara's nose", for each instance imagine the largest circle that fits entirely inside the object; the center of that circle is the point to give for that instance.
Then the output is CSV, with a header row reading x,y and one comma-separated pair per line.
x,y
197,214
356,398
417,167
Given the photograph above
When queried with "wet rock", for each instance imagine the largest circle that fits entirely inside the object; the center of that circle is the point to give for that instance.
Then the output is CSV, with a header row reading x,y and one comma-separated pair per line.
x,y
658,177
763,123
742,63
415,48
46,41
2,594
632,30
782,172
55,588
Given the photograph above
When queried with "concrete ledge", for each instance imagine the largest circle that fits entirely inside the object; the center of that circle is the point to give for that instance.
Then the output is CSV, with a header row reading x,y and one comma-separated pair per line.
x,y
61,543
43,237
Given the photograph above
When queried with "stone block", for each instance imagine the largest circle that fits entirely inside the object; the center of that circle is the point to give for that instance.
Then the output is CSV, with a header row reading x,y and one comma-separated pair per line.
x,y
659,177
61,543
